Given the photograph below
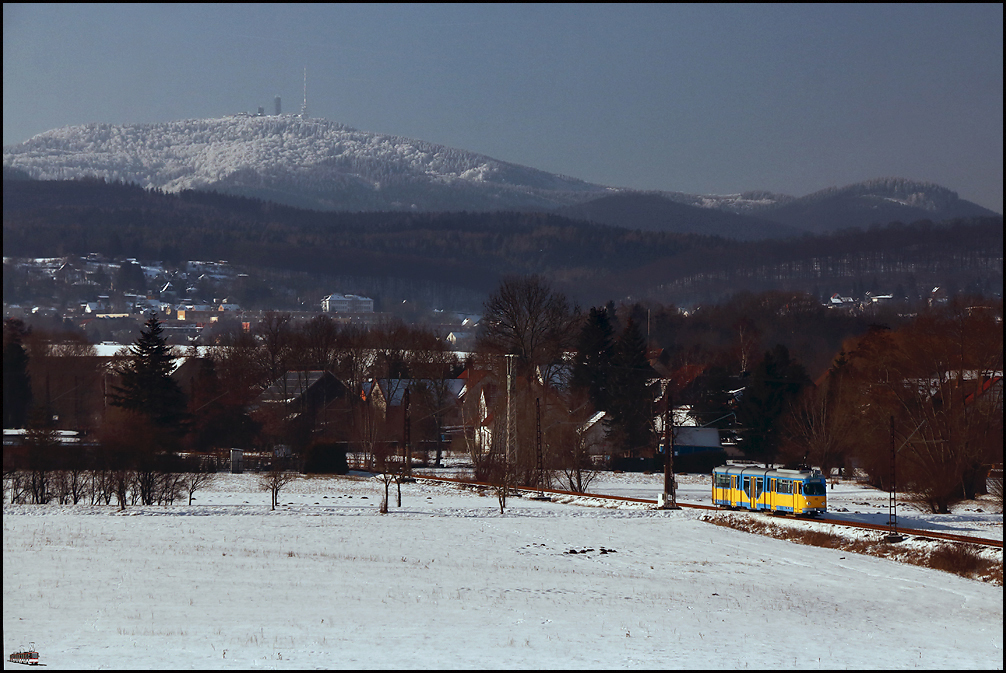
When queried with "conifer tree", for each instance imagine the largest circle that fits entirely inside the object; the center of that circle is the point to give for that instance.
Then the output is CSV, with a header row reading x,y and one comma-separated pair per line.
x,y
148,389
774,384
16,379
595,350
630,407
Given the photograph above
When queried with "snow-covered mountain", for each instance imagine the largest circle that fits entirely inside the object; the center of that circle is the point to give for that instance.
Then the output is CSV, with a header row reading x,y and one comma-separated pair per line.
x,y
321,164
306,162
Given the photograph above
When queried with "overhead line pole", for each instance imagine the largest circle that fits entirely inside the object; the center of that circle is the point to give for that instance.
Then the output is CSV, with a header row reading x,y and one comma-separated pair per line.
x,y
669,497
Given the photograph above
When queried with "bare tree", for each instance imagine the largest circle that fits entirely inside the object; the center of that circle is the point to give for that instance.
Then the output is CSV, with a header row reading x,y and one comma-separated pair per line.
x,y
996,486
275,339
823,425
436,394
41,443
393,347
527,318
73,464
475,436
388,465
121,480
940,378
573,441
193,481
16,483
496,467
747,343
316,344
354,356
100,484
275,479
169,486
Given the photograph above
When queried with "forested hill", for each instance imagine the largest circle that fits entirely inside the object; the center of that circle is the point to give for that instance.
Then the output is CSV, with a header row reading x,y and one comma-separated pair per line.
x,y
592,262
324,165
312,163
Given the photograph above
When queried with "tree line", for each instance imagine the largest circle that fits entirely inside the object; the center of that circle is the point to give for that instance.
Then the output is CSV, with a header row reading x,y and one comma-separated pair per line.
x,y
927,384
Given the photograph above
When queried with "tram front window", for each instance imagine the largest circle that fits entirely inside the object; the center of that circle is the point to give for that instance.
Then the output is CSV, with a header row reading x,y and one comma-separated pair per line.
x,y
814,488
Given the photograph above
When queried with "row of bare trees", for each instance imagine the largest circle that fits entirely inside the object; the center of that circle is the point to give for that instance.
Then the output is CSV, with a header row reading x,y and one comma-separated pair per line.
x,y
43,471
102,487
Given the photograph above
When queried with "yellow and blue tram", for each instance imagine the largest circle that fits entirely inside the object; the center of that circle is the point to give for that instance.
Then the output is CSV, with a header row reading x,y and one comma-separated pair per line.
x,y
758,488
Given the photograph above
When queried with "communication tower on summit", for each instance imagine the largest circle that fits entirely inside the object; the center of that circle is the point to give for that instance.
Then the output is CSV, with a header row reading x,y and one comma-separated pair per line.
x,y
303,107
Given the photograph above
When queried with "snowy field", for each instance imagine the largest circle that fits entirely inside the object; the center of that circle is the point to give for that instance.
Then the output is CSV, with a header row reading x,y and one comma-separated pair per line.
x,y
446,581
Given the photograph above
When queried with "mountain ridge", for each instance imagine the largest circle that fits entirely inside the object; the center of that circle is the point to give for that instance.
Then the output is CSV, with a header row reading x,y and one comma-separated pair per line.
x,y
330,163
325,165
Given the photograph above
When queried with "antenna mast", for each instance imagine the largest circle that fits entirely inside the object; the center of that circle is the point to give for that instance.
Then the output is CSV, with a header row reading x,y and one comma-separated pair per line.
x,y
303,107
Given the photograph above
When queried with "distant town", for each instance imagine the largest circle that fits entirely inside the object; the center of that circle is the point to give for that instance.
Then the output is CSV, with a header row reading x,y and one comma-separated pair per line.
x,y
109,299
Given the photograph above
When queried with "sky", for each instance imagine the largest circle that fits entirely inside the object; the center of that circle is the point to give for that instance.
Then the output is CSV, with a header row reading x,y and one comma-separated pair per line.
x,y
706,99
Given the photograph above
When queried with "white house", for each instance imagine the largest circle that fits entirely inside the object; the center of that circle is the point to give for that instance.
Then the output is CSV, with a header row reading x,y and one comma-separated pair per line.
x,y
347,303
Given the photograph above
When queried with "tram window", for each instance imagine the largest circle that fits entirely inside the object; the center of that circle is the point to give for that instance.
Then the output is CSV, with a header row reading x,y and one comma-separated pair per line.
x,y
786,486
814,488
722,481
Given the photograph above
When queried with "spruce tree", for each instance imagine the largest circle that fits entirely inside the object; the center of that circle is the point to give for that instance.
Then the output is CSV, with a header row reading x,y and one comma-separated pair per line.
x,y
148,389
710,397
630,407
16,379
595,350
774,384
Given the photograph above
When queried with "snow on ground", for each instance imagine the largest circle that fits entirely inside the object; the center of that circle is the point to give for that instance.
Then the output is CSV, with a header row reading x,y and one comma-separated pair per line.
x,y
447,581
847,501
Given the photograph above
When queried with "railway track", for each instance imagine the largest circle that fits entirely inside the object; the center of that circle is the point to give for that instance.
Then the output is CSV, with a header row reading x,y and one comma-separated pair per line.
x,y
914,532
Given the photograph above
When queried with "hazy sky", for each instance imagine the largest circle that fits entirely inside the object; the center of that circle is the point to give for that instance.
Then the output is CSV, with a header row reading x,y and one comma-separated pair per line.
x,y
693,98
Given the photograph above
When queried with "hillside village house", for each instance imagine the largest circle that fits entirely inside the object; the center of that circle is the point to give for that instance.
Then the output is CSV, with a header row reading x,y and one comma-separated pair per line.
x,y
347,303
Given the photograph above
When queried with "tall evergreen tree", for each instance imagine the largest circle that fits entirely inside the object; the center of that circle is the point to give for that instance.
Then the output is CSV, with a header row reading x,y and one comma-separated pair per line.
x,y
630,407
710,397
16,379
595,350
130,278
148,389
774,384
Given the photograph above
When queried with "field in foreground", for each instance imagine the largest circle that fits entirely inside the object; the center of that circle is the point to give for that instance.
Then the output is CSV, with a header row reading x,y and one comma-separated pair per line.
x,y
446,581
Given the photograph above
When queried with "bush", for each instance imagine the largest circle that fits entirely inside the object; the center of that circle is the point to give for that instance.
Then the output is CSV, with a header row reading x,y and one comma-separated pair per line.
x,y
960,559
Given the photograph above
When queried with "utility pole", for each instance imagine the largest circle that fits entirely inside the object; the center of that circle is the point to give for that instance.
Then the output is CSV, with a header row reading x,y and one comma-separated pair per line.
x,y
540,453
404,467
508,461
668,499
407,431
892,500
509,406
537,443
